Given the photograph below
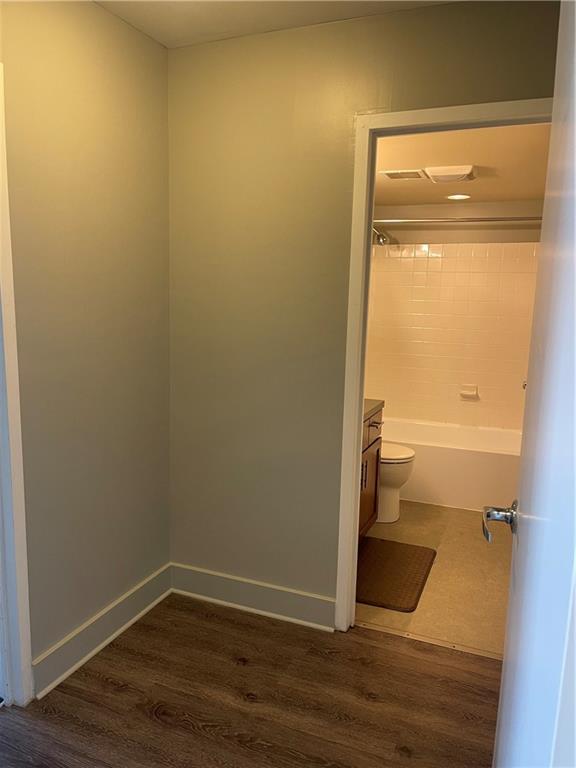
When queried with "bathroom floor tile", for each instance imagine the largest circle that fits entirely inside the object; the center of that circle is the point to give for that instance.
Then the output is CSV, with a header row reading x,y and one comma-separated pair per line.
x,y
465,599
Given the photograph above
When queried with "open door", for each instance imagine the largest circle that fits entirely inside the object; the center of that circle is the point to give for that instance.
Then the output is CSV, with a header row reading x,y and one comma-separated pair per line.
x,y
533,724
15,648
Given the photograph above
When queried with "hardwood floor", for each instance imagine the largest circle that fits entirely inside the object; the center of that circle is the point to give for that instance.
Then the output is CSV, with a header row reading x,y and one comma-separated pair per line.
x,y
193,685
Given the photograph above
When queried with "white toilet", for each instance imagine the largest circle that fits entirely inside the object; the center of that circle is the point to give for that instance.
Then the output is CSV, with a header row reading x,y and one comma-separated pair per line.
x,y
396,462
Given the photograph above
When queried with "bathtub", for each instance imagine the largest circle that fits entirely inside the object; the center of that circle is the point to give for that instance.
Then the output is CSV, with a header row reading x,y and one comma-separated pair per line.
x,y
458,466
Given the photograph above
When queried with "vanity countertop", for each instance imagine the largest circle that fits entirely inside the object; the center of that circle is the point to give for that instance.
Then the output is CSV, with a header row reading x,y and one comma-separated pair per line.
x,y
371,407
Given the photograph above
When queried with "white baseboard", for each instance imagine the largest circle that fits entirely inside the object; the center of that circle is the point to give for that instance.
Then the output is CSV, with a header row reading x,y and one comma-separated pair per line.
x,y
247,609
64,657
259,597
60,660
98,648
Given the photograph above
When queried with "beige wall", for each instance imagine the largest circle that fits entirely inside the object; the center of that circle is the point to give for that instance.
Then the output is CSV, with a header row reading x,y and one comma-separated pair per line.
x,y
261,164
443,316
87,165
261,160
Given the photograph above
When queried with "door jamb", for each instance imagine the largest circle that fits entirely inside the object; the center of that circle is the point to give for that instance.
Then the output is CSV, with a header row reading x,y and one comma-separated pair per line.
x,y
15,643
369,127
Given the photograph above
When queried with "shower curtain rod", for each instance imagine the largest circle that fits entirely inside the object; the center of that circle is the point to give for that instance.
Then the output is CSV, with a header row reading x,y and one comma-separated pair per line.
x,y
460,220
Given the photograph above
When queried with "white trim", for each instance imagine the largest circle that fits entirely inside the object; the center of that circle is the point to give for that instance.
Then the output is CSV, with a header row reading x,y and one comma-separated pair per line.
x,y
270,599
254,582
248,609
103,644
14,557
82,627
143,612
93,619
368,128
44,668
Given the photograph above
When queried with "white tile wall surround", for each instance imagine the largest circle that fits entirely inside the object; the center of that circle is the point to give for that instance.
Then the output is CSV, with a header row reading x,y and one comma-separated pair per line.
x,y
441,316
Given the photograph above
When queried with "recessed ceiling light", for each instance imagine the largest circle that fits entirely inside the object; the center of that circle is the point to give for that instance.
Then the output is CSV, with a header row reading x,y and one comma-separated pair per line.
x,y
457,197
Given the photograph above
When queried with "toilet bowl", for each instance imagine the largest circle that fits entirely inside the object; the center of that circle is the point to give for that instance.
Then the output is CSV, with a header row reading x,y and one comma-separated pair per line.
x,y
396,462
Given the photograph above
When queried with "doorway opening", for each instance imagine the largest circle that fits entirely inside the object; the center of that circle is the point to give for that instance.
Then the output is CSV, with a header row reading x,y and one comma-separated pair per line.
x,y
451,292
441,295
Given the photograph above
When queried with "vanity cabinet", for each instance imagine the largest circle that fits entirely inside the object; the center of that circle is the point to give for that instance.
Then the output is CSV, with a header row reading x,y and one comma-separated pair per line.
x,y
370,470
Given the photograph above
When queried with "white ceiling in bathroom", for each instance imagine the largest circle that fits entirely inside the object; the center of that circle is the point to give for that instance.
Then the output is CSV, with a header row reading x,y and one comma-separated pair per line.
x,y
510,164
189,22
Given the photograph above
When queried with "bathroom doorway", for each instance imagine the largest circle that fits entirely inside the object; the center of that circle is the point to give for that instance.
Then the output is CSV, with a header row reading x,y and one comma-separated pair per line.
x,y
456,228
406,216
514,224
370,219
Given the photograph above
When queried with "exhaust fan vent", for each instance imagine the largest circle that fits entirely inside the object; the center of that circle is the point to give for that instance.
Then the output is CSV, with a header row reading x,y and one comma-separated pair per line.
x,y
445,174
411,174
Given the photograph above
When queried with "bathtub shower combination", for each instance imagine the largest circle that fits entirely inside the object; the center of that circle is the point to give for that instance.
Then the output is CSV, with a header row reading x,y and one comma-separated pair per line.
x,y
442,318
458,466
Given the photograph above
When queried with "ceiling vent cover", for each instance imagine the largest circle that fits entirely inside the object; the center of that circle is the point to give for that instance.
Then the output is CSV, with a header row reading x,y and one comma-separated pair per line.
x,y
417,173
446,174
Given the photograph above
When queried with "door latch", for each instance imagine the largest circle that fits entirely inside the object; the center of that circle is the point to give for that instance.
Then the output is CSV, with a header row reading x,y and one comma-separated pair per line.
x,y
507,515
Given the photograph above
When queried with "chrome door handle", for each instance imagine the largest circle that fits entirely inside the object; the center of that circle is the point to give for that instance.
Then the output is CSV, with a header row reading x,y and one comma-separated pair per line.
x,y
507,515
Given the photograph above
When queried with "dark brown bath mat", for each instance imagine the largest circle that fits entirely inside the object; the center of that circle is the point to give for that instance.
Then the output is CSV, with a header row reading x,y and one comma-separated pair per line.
x,y
391,574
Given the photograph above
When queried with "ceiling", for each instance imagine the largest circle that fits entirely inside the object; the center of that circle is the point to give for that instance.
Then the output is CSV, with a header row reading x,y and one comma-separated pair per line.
x,y
510,164
189,22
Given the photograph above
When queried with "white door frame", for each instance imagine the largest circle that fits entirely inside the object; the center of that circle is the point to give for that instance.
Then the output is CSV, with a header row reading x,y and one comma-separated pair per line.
x,y
368,128
15,646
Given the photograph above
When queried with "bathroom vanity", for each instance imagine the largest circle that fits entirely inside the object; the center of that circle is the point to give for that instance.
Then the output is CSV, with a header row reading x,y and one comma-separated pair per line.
x,y
370,468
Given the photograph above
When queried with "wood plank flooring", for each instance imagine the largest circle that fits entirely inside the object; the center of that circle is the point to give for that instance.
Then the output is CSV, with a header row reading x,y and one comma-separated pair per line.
x,y
193,685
